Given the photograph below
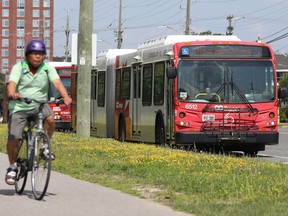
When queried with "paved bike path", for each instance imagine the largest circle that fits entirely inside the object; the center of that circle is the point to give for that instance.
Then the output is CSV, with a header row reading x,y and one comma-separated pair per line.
x,y
69,196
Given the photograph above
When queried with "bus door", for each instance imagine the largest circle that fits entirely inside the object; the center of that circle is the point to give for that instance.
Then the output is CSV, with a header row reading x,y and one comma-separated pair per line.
x,y
170,111
136,130
93,100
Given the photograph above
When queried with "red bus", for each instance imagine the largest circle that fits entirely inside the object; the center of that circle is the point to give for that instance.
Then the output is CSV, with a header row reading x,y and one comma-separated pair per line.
x,y
61,111
207,92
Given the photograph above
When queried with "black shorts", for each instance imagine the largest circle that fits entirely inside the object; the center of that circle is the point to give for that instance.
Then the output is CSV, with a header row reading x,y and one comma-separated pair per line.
x,y
18,121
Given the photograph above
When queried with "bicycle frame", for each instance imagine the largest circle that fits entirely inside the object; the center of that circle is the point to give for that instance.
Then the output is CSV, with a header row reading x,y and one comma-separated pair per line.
x,y
33,160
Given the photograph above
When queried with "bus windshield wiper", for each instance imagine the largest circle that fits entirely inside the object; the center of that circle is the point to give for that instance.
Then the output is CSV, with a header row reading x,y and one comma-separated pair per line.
x,y
227,86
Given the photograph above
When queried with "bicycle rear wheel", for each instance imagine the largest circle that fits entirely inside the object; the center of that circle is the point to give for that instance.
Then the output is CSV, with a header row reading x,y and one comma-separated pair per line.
x,y
22,162
41,167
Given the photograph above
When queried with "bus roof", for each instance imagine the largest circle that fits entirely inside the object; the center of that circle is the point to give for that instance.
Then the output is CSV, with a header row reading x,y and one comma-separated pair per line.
x,y
171,39
60,64
107,57
113,52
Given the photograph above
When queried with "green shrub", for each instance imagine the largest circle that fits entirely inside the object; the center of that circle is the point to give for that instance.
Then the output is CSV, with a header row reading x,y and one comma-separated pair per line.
x,y
283,113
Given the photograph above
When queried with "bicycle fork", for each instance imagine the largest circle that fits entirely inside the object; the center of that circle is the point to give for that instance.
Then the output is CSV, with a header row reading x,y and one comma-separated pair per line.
x,y
30,145
23,160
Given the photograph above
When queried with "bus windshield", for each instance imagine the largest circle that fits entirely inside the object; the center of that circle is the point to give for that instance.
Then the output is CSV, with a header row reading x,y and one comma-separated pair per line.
x,y
226,81
55,94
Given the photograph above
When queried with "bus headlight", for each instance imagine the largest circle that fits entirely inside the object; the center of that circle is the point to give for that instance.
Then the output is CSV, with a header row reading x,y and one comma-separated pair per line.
x,y
182,115
272,123
183,123
57,117
271,115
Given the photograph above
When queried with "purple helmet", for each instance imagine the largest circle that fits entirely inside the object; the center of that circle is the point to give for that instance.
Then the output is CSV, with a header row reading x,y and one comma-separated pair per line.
x,y
35,45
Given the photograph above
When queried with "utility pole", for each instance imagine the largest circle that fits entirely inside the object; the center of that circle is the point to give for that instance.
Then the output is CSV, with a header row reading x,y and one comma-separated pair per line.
x,y
187,31
230,27
67,33
84,63
119,35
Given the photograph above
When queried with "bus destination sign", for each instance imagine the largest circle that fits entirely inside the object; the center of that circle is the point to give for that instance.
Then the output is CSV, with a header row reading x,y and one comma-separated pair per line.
x,y
225,51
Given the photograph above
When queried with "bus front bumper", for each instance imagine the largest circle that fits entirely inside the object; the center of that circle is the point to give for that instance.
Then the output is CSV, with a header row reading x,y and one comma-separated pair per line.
x,y
61,125
232,139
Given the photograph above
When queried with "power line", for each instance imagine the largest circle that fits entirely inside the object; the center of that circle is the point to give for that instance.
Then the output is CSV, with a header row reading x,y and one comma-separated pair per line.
x,y
274,33
269,7
278,38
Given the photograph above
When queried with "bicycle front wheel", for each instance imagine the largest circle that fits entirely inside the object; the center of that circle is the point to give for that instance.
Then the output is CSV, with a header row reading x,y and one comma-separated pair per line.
x,y
22,165
41,167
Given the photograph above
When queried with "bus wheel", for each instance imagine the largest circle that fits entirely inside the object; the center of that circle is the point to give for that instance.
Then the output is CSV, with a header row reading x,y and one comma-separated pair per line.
x,y
251,153
160,133
121,131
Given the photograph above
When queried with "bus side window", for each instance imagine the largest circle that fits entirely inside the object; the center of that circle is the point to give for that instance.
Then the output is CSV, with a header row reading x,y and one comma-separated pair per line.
x,y
101,89
159,83
147,85
126,80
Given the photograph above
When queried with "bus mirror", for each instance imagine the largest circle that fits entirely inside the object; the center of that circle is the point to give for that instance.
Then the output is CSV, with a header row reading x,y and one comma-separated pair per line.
x,y
171,72
282,93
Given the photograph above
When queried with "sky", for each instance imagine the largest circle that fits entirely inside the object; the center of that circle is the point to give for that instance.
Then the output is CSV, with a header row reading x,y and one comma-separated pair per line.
x,y
150,19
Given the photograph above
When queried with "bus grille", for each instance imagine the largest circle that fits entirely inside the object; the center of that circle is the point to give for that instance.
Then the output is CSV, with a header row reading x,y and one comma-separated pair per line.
x,y
224,122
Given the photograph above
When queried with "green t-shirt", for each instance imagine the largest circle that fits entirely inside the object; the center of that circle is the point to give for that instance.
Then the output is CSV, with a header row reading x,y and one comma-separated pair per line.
x,y
31,86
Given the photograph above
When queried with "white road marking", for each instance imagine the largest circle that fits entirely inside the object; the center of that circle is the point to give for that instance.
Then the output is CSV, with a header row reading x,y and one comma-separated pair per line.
x,y
274,156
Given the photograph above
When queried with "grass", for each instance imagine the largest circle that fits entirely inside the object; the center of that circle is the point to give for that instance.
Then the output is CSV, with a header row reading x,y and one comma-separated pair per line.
x,y
196,183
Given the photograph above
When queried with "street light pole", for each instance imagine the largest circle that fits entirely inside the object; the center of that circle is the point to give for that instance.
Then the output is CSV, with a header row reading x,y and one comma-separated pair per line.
x,y
169,27
67,33
105,41
230,28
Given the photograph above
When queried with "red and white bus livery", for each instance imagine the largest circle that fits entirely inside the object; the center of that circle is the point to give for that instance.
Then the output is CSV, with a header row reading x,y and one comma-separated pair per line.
x,y
200,91
62,112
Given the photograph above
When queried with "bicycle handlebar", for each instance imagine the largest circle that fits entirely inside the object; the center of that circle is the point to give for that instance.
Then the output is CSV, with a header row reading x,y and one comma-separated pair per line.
x,y
30,100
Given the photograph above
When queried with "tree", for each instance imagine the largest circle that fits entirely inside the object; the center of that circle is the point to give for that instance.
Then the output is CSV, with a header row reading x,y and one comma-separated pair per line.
x,y
283,112
208,33
283,82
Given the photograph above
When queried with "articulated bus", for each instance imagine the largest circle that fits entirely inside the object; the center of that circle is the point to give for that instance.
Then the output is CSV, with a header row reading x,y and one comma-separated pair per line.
x,y
200,91
103,93
62,112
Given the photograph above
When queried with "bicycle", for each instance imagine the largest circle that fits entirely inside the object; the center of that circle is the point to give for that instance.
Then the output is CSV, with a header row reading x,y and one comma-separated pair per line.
x,y
34,155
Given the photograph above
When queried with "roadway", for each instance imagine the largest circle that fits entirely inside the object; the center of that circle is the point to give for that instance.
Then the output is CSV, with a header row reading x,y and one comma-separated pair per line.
x,y
278,152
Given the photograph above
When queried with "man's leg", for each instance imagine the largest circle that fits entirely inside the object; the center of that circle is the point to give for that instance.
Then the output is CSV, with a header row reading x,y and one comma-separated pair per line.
x,y
16,124
49,125
12,150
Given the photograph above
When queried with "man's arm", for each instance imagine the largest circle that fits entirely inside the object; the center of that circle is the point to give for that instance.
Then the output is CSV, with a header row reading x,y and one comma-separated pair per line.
x,y
62,90
11,89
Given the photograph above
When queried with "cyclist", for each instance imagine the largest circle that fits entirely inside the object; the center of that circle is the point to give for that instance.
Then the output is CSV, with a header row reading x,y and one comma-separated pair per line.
x,y
30,78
